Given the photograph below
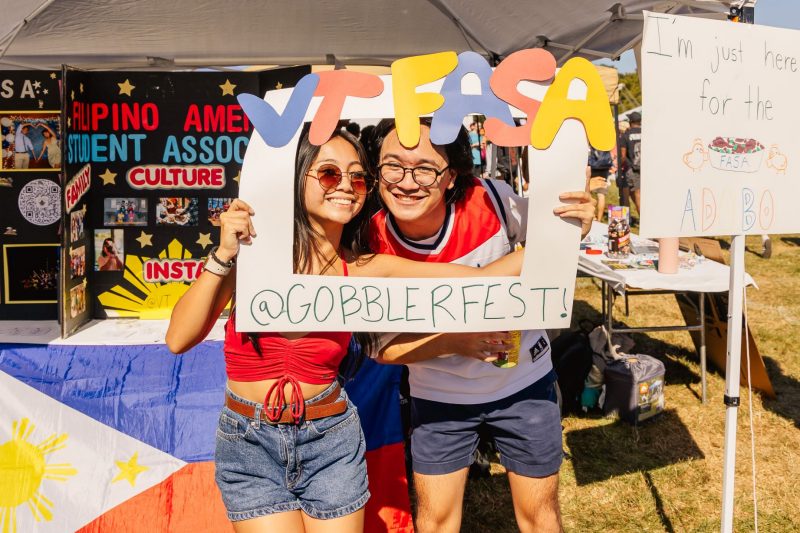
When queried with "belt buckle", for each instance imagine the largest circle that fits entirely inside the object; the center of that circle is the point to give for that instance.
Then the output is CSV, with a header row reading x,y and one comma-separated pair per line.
x,y
270,410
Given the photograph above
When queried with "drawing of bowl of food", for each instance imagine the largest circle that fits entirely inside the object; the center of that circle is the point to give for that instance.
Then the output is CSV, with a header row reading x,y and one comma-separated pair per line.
x,y
736,154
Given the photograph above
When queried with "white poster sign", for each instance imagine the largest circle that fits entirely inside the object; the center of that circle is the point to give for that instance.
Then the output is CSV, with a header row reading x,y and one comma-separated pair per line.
x,y
270,297
720,152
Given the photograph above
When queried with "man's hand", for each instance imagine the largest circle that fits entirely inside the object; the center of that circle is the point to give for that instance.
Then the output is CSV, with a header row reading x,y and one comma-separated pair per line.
x,y
415,347
579,205
484,346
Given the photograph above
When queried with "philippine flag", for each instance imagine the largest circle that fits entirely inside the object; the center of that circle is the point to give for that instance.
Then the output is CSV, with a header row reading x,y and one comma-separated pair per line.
x,y
120,437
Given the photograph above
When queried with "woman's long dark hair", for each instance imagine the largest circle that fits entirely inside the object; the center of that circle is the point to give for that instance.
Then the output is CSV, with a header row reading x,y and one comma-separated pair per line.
x,y
306,239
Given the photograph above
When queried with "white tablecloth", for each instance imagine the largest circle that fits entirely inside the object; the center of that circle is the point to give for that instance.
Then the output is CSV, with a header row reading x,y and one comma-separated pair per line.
x,y
705,276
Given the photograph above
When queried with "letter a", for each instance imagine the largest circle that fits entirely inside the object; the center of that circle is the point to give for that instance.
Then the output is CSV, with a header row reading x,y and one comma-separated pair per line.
x,y
557,107
449,119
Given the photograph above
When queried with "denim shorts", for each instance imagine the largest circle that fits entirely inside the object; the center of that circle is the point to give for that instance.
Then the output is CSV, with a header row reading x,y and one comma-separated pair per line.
x,y
526,428
317,466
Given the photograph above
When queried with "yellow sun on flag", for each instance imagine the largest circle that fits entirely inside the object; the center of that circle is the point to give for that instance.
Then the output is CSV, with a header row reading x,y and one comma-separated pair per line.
x,y
23,466
136,298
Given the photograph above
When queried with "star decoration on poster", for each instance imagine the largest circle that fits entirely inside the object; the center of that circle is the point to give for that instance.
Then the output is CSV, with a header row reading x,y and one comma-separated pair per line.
x,y
126,87
72,95
41,104
52,75
81,88
205,240
46,91
37,84
237,177
108,177
69,122
145,239
129,469
227,88
279,85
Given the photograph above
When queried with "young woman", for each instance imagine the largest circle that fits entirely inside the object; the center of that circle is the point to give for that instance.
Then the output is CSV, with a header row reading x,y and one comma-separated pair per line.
x,y
108,258
290,451
50,145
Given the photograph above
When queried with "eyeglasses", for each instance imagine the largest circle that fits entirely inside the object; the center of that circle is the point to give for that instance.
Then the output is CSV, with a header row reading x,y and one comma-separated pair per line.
x,y
423,176
330,176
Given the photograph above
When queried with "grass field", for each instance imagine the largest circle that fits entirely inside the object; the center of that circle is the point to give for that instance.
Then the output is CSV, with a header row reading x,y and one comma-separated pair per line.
x,y
667,474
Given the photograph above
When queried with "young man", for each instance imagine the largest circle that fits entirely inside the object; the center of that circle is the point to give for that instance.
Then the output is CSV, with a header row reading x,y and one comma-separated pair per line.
x,y
436,211
23,147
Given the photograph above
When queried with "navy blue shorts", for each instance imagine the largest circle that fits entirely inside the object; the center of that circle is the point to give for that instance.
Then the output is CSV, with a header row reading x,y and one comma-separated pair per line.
x,y
526,428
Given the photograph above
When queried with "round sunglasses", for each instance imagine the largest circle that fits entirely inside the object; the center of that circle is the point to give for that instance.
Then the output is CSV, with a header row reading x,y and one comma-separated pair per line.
x,y
330,176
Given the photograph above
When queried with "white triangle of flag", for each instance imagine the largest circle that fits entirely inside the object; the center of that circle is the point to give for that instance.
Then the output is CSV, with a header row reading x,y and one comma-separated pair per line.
x,y
61,469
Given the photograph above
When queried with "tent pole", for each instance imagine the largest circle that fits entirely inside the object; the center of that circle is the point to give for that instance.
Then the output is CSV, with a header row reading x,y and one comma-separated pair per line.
x,y
8,39
732,370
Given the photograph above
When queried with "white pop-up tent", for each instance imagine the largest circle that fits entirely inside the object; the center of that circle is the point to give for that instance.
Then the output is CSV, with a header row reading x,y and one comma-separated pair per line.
x,y
43,34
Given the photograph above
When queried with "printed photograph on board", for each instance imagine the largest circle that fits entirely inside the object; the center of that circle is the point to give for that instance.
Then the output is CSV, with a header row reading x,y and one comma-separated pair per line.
x,y
109,250
77,300
30,273
30,141
76,229
125,211
217,206
177,211
77,262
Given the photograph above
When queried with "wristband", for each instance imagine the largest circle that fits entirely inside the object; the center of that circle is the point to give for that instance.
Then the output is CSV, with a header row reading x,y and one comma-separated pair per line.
x,y
217,266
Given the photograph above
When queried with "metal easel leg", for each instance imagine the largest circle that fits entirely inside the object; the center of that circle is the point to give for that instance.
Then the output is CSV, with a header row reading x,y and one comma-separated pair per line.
x,y
703,347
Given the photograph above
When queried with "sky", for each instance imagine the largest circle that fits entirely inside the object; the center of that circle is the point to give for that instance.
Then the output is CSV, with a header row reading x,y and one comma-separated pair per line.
x,y
778,13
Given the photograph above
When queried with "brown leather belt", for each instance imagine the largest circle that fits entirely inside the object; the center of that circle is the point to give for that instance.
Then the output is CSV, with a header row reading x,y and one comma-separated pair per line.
x,y
328,406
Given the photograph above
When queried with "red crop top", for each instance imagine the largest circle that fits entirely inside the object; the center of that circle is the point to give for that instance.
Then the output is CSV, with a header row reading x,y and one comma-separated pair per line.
x,y
314,358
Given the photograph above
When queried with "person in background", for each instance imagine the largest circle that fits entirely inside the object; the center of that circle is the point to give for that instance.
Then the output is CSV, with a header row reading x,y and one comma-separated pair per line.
x,y
632,155
354,129
475,149
600,165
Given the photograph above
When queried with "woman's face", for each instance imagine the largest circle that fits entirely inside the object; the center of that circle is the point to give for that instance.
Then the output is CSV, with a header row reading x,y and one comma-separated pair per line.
x,y
46,134
338,204
108,246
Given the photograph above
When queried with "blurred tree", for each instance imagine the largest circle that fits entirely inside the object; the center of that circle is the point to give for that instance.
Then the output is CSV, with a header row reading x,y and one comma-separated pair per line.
x,y
631,94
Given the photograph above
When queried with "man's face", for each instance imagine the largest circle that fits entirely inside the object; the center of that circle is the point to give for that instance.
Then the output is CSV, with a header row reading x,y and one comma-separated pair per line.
x,y
419,211
25,130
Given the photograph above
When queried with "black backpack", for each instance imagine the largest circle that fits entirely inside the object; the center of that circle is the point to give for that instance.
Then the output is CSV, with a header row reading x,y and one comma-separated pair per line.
x,y
572,361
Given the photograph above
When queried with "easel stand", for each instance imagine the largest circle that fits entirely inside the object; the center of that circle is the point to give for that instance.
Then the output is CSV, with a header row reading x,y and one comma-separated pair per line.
x,y
732,369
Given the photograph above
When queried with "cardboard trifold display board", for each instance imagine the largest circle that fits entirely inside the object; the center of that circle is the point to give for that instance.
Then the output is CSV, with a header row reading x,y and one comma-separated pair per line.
x,y
151,159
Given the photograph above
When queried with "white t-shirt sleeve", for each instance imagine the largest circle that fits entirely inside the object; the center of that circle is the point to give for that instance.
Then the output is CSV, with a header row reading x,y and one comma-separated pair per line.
x,y
516,209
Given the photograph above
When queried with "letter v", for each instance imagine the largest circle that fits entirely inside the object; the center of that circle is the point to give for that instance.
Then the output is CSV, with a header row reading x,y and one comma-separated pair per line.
x,y
276,129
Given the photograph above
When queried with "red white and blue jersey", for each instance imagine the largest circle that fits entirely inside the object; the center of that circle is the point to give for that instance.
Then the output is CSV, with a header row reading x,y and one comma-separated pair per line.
x,y
480,228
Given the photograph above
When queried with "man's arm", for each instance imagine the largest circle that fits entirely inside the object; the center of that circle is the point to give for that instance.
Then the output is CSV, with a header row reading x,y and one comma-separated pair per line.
x,y
415,347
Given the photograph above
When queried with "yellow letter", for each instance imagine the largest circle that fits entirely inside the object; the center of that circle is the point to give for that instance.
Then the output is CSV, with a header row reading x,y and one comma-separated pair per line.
x,y
408,74
594,112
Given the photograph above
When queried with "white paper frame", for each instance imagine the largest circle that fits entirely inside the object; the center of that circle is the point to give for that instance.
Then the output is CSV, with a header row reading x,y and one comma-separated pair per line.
x,y
541,297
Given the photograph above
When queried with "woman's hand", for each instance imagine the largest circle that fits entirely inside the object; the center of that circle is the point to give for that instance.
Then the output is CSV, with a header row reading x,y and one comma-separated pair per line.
x,y
236,227
580,205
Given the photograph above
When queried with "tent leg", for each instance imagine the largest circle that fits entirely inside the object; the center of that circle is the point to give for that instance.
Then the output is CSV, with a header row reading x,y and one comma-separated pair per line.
x,y
732,370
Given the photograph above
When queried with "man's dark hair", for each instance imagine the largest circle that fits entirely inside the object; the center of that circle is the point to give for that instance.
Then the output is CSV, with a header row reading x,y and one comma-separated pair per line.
x,y
458,152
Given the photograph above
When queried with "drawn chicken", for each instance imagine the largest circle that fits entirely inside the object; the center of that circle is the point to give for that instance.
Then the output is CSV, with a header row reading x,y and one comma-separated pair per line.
x,y
776,160
697,156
